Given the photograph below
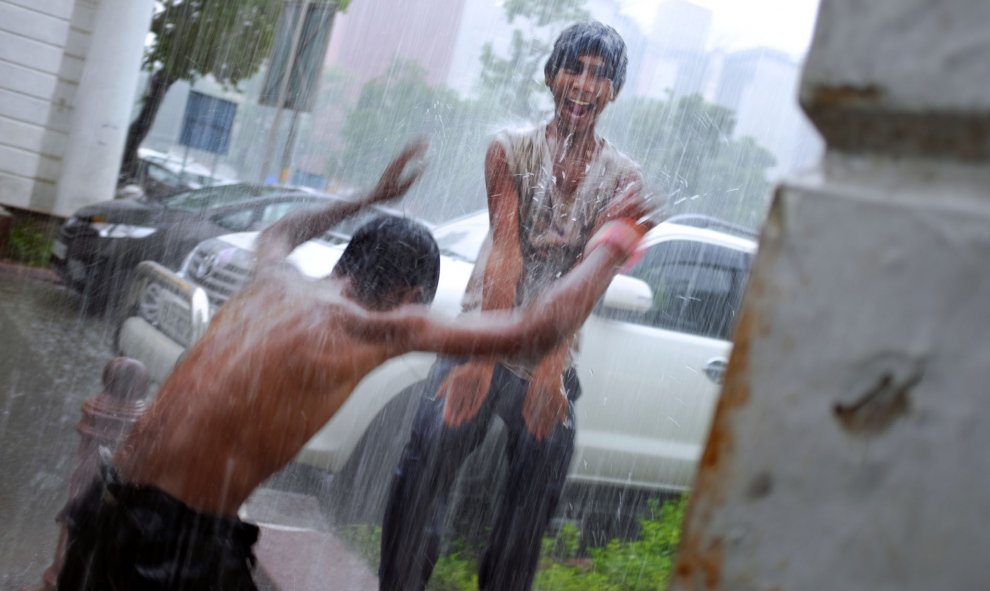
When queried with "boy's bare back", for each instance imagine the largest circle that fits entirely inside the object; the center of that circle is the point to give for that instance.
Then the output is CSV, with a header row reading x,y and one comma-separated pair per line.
x,y
268,374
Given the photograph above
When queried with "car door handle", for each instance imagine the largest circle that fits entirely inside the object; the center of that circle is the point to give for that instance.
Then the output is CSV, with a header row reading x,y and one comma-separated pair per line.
x,y
715,369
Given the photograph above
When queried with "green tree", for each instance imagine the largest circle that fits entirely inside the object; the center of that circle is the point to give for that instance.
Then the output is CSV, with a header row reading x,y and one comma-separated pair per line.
x,y
686,149
193,38
399,106
516,81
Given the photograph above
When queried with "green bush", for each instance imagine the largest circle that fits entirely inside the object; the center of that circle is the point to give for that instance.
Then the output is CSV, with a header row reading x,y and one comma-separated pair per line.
x,y
642,564
638,565
454,572
365,541
30,240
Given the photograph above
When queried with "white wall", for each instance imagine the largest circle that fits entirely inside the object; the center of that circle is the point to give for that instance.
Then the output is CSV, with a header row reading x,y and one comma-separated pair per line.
x,y
60,145
42,44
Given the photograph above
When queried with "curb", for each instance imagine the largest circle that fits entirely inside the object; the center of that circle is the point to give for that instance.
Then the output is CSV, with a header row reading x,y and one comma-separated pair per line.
x,y
22,271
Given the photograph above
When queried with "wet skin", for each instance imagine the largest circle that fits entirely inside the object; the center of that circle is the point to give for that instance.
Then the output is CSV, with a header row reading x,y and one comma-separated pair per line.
x,y
283,355
580,93
263,380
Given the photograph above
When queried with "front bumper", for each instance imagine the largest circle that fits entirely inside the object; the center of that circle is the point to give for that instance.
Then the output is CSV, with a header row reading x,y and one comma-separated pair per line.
x,y
72,268
140,340
156,344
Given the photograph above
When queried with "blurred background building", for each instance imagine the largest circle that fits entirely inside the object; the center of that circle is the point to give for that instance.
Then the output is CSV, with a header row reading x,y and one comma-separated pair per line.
x,y
45,48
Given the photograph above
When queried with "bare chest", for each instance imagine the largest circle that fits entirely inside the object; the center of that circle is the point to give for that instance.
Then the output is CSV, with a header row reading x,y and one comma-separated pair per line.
x,y
567,177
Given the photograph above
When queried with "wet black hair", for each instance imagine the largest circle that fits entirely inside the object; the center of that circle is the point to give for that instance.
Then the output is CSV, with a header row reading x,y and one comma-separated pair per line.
x,y
590,38
388,254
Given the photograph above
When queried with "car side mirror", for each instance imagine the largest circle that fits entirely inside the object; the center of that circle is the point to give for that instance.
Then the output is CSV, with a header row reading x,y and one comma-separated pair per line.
x,y
627,294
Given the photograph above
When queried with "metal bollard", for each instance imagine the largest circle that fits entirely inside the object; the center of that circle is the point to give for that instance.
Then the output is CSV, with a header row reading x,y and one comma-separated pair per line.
x,y
106,419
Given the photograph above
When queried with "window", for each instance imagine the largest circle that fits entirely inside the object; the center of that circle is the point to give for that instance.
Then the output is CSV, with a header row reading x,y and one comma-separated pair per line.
x,y
697,288
157,173
237,221
214,197
273,212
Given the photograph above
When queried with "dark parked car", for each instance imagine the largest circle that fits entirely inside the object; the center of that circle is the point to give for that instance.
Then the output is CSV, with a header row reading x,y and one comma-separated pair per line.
x,y
99,246
160,174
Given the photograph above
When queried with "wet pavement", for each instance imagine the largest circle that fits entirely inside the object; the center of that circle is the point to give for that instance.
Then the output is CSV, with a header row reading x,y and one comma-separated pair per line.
x,y
51,358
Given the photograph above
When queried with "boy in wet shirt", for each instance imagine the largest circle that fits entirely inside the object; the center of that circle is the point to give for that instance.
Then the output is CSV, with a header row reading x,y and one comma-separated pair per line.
x,y
550,189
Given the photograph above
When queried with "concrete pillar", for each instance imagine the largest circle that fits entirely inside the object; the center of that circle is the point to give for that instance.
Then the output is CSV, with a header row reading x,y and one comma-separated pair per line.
x,y
103,104
849,447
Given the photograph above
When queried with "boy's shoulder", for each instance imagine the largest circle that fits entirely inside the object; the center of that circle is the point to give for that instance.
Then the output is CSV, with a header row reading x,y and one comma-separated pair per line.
x,y
515,135
617,160
524,147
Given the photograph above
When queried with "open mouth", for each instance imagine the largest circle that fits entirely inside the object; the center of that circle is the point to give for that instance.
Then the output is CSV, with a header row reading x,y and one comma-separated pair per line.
x,y
577,108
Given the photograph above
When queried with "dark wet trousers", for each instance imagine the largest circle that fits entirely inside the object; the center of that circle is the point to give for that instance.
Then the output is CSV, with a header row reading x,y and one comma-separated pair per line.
x,y
129,537
422,482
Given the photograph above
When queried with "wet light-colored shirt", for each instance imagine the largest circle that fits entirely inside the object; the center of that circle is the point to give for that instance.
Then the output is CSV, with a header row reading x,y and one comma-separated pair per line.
x,y
552,232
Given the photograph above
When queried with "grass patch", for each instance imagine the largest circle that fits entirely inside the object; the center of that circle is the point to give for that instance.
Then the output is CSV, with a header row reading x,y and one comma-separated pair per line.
x,y
642,564
30,238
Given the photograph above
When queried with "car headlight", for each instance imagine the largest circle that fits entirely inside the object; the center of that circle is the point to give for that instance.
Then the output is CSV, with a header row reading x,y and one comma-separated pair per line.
x,y
186,262
107,230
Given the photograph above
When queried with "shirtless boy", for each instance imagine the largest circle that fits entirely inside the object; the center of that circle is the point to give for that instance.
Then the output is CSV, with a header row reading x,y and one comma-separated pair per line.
x,y
550,188
274,366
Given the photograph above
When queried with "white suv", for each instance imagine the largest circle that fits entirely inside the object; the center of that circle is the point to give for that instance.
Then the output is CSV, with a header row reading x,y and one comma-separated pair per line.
x,y
652,354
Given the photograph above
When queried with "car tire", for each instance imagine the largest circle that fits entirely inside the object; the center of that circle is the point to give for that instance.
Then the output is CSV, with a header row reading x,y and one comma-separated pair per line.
x,y
104,291
358,492
95,291
604,513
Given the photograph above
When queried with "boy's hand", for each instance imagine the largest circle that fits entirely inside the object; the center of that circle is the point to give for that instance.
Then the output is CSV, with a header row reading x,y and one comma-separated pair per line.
x,y
632,203
465,388
546,404
392,184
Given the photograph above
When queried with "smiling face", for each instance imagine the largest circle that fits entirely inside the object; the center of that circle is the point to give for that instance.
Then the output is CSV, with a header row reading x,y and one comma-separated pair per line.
x,y
581,90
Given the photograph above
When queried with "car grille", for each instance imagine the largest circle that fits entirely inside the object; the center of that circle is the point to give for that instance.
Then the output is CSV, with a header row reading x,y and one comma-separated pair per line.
x,y
220,279
174,319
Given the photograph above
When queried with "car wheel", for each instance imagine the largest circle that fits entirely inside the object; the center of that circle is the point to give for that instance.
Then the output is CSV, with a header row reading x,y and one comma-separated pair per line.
x,y
357,494
104,290
95,291
604,513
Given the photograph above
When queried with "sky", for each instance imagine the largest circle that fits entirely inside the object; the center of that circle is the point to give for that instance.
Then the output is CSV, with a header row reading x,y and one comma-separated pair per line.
x,y
739,24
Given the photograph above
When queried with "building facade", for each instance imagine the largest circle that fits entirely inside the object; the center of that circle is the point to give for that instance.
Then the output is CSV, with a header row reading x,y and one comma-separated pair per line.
x,y
761,86
68,76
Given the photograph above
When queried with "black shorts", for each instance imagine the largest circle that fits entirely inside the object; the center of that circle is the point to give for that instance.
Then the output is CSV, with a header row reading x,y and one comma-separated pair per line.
x,y
125,537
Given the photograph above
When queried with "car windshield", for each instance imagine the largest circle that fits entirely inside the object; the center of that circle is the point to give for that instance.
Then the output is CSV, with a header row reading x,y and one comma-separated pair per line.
x,y
462,238
214,197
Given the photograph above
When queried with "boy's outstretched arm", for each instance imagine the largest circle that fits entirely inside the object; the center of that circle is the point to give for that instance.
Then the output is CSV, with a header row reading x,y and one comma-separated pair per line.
x,y
529,331
279,240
